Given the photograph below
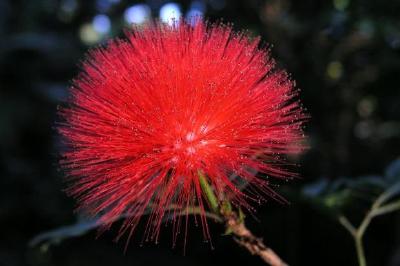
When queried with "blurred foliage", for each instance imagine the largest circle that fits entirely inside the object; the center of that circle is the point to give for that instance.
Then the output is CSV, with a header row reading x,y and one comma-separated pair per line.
x,y
336,196
344,56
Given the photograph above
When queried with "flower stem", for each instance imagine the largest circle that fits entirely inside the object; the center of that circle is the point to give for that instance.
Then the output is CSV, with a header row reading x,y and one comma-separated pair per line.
x,y
378,208
360,251
357,234
235,225
208,192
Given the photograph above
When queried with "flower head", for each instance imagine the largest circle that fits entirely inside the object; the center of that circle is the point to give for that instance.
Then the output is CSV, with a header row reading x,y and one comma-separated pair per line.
x,y
150,113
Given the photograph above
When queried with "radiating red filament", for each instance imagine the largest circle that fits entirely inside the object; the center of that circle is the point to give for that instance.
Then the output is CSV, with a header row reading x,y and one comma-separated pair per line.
x,y
147,113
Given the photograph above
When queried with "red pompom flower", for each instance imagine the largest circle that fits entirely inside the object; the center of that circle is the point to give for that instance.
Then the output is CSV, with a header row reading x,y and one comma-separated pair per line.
x,y
153,116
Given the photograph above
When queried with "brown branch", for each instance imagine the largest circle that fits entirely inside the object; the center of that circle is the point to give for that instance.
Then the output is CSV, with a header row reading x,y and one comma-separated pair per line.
x,y
234,224
245,238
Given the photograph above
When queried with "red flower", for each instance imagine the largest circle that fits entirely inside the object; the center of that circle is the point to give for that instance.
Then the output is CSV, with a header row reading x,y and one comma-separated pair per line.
x,y
149,113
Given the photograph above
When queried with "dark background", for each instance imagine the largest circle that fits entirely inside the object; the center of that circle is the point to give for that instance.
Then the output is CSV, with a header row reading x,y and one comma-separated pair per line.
x,y
344,55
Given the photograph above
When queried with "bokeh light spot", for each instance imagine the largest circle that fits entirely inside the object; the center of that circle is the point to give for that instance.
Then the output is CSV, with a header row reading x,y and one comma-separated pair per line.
x,y
137,14
196,11
170,13
341,5
334,70
101,24
88,34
